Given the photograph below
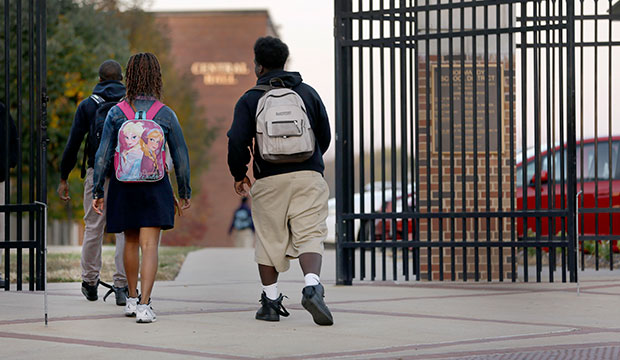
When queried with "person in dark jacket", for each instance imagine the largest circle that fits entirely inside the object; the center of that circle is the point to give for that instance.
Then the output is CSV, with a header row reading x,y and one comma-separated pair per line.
x,y
110,89
289,200
242,225
11,159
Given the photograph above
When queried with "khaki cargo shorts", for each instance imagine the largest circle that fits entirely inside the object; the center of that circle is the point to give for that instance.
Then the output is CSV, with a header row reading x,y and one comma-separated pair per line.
x,y
289,212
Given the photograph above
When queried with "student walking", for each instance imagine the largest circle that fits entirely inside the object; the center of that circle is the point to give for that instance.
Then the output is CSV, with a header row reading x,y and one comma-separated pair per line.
x,y
242,226
287,122
89,118
140,201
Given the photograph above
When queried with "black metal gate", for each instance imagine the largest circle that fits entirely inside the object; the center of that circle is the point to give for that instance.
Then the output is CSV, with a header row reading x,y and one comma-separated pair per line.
x,y
457,137
24,99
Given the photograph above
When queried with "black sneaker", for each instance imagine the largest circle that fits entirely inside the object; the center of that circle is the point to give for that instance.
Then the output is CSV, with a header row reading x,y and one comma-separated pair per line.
x,y
121,295
312,300
271,309
90,291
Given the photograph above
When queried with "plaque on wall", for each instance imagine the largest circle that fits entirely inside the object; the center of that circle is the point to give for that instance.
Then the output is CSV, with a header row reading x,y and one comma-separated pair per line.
x,y
441,118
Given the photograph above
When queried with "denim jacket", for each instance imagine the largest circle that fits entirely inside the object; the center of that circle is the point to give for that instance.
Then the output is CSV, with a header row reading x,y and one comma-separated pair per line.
x,y
167,119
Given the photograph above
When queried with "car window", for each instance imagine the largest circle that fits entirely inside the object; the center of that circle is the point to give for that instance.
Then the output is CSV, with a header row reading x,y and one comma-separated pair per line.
x,y
615,159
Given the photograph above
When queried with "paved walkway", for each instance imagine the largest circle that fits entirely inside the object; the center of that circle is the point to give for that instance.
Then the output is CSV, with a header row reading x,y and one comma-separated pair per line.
x,y
208,312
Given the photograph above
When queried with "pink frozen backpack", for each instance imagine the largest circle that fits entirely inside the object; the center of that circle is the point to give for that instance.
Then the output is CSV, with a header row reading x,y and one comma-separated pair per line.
x,y
140,155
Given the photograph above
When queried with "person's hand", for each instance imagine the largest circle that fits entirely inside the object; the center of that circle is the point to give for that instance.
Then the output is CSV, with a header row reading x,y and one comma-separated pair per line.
x,y
186,204
240,186
177,206
63,190
98,206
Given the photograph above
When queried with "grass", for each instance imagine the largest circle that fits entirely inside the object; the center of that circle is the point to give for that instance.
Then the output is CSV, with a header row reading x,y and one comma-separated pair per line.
x,y
65,266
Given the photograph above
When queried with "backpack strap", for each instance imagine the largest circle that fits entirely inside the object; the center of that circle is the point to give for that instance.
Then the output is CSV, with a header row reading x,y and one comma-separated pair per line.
x,y
150,114
98,99
263,88
126,109
157,105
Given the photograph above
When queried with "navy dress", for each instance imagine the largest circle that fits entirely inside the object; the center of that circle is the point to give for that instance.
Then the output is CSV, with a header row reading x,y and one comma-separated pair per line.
x,y
140,204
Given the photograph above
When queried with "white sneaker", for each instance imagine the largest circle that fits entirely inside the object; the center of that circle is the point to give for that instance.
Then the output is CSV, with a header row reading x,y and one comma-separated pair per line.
x,y
130,306
145,314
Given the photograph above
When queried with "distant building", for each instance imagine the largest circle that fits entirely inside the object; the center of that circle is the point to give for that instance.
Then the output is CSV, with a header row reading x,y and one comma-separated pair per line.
x,y
216,47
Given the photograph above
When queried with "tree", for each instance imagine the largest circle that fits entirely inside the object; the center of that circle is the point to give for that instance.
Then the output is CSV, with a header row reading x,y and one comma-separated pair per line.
x,y
79,38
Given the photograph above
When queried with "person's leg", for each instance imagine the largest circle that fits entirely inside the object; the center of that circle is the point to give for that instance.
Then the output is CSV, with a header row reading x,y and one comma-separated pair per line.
x,y
149,241
131,258
310,263
120,279
94,226
268,274
308,211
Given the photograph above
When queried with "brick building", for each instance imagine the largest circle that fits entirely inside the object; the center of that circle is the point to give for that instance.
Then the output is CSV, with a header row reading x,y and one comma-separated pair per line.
x,y
216,47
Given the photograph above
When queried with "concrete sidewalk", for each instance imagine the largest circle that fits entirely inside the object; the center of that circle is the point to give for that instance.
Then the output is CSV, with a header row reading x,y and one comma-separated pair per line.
x,y
208,312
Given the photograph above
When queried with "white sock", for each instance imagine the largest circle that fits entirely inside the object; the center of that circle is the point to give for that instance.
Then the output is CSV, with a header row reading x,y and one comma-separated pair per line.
x,y
311,279
271,291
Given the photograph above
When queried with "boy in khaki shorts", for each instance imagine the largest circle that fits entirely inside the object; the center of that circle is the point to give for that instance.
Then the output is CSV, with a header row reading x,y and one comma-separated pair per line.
x,y
289,199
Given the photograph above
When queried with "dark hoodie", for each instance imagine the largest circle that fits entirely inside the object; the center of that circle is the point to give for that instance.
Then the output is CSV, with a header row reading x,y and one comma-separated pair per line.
x,y
111,90
243,130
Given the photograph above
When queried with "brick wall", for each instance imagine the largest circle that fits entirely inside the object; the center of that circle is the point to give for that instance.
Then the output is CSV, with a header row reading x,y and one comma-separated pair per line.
x,y
463,231
216,38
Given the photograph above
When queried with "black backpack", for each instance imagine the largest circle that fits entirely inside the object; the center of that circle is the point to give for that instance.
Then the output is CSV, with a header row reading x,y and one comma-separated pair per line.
x,y
96,127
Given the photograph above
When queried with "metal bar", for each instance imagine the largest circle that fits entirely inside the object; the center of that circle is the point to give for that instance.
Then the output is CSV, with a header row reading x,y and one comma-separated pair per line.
x,y
393,139
475,128
570,130
32,112
373,206
403,131
487,149
440,140
7,114
581,117
596,230
383,196
500,131
562,148
417,146
429,253
537,143
511,78
452,181
550,130
610,131
43,138
491,244
19,153
343,114
459,215
463,153
362,191
524,136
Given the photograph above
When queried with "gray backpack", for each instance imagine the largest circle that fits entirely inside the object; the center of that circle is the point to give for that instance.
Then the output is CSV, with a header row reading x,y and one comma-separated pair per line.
x,y
283,130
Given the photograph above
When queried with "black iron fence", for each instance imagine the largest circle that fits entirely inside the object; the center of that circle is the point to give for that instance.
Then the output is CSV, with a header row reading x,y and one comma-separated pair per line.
x,y
458,143
23,97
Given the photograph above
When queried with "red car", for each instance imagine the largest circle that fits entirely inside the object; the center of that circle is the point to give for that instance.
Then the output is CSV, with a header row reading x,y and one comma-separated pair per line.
x,y
587,182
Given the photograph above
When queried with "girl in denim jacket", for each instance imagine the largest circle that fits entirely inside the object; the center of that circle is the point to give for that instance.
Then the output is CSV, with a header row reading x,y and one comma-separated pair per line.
x,y
141,209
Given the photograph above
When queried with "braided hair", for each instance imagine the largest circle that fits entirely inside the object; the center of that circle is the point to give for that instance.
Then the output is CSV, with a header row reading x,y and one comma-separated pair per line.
x,y
143,77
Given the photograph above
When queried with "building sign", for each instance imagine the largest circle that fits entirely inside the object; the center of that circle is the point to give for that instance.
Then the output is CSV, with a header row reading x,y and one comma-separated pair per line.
x,y
220,73
442,81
